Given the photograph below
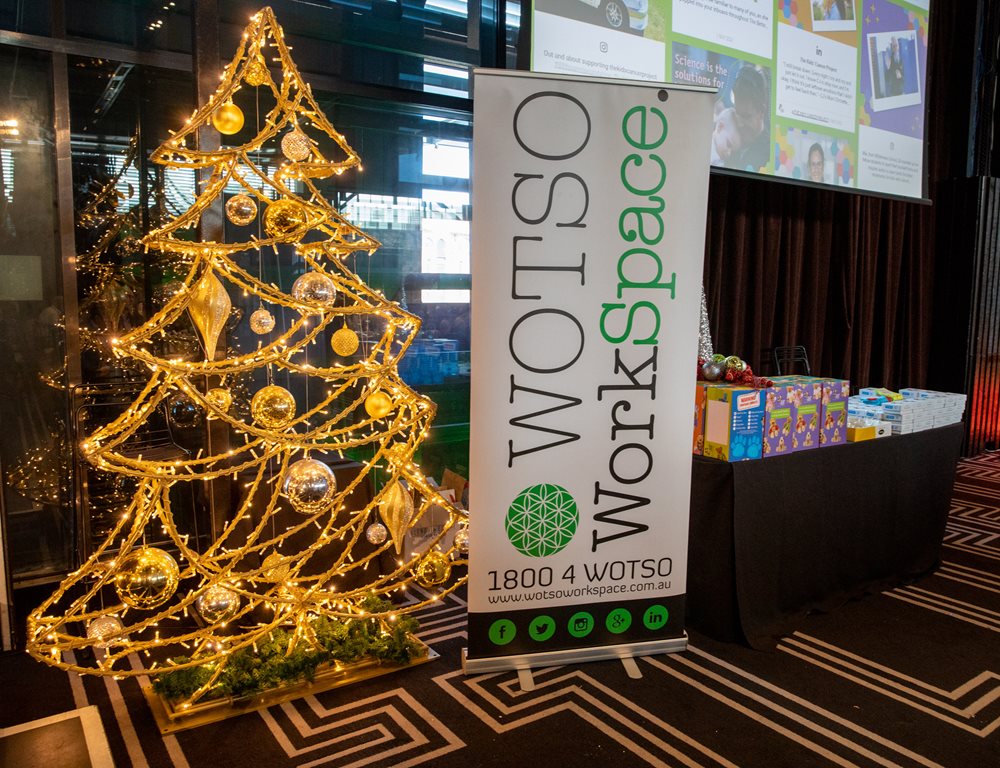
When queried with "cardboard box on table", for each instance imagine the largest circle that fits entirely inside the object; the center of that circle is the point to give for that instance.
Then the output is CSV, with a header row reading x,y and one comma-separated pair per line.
x,y
803,394
778,422
734,422
833,411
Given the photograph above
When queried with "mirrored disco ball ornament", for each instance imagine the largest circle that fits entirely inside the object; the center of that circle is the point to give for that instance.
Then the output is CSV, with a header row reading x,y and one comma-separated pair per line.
x,y
314,288
217,604
275,569
310,486
105,631
345,342
241,210
261,321
146,578
376,534
712,371
378,404
273,407
282,217
462,539
255,73
228,119
184,413
433,569
296,146
219,398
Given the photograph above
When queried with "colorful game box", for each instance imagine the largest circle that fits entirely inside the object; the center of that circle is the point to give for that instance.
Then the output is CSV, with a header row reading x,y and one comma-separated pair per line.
x,y
734,423
833,411
777,421
803,395
698,439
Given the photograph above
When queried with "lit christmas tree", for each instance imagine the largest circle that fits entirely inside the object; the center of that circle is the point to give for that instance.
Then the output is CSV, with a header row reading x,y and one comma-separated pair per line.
x,y
294,568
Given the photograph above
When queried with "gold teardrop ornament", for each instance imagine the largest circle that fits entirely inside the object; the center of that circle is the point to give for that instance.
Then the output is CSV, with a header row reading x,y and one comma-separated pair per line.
x,y
396,511
210,307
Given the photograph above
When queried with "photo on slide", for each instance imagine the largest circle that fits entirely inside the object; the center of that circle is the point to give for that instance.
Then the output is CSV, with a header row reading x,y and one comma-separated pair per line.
x,y
629,16
893,68
814,157
741,130
833,16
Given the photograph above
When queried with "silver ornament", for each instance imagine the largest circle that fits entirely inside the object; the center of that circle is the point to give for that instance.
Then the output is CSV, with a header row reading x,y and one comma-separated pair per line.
x,y
261,321
105,631
217,604
462,539
713,371
310,486
314,288
376,534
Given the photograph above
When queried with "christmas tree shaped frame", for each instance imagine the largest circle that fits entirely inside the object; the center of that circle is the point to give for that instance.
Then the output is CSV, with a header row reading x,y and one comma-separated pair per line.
x,y
324,566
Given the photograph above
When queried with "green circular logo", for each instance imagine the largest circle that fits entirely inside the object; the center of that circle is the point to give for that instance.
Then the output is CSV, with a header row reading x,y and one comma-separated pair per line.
x,y
542,628
618,621
502,631
542,520
580,624
655,617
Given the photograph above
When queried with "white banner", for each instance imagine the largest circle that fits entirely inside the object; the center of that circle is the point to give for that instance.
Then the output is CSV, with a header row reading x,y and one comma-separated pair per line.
x,y
588,236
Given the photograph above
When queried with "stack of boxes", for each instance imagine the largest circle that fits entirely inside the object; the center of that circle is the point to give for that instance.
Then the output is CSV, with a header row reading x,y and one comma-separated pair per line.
x,y
798,413
911,410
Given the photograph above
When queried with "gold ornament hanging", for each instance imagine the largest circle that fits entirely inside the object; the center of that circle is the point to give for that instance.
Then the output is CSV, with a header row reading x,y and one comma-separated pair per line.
x,y
105,631
396,510
241,210
210,307
283,217
433,569
228,119
146,578
309,486
376,534
217,604
219,398
314,288
275,568
345,342
261,321
273,407
296,146
256,73
378,404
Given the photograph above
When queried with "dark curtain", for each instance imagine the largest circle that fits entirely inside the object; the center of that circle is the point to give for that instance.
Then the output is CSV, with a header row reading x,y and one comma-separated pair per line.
x,y
850,277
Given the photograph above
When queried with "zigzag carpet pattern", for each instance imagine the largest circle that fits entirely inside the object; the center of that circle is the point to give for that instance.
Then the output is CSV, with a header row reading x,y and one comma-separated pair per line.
x,y
907,677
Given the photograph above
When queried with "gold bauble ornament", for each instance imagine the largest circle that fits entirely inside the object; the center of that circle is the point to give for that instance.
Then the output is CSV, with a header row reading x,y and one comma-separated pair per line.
x,y
296,146
275,567
309,486
378,404
219,398
396,510
241,209
261,321
733,363
314,288
146,578
433,569
217,604
210,307
256,73
462,539
345,342
228,119
283,217
273,407
376,534
398,452
105,631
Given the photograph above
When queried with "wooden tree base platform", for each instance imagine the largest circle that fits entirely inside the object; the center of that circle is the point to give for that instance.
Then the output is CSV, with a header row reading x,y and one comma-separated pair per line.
x,y
170,718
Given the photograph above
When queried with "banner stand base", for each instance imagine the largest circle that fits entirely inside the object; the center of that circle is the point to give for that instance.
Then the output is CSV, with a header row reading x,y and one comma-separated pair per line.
x,y
570,656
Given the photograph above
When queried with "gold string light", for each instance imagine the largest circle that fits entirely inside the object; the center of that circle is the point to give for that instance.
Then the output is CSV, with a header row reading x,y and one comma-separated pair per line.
x,y
265,569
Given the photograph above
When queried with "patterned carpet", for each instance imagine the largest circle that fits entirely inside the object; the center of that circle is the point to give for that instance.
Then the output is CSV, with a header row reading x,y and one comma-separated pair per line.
x,y
908,677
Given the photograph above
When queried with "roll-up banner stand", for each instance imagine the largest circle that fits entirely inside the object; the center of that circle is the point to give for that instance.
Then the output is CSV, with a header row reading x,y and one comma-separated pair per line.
x,y
588,238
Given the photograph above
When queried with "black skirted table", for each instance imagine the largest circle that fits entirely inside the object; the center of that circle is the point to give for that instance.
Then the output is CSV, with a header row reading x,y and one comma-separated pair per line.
x,y
775,538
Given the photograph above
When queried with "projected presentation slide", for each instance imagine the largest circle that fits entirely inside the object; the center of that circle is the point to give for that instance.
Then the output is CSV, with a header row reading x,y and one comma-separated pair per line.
x,y
821,91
